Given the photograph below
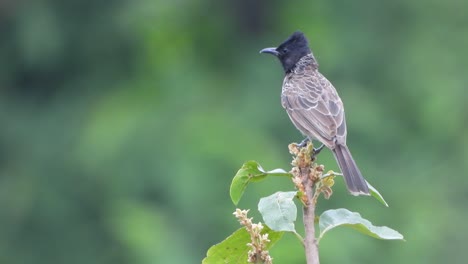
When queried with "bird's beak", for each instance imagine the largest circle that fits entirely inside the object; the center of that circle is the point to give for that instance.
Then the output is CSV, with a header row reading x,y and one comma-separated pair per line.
x,y
270,50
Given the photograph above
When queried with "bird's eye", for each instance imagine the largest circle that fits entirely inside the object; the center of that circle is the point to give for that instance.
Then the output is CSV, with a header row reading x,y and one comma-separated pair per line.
x,y
284,50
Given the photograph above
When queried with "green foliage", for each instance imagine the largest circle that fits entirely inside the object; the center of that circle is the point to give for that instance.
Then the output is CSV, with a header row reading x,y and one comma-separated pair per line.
x,y
342,217
376,194
251,171
234,248
279,211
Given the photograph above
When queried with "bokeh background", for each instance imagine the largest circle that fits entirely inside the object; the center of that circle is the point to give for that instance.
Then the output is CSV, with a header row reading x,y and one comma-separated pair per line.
x,y
122,124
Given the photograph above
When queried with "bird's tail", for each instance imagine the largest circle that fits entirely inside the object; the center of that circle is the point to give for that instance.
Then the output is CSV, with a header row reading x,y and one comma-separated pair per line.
x,y
353,177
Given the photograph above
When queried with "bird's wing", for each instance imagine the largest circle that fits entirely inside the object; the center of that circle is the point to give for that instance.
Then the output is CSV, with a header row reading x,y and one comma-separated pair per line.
x,y
315,107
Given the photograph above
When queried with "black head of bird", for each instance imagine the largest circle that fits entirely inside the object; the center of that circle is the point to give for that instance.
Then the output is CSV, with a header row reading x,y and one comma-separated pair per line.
x,y
290,51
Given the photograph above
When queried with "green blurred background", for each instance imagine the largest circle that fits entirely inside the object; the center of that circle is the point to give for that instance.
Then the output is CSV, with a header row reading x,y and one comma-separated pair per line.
x,y
123,123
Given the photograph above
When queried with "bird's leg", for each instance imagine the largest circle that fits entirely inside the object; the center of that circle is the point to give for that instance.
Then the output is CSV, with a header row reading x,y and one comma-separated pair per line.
x,y
317,151
303,143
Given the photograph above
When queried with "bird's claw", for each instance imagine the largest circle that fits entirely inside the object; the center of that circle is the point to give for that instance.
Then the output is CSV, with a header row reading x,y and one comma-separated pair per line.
x,y
303,143
317,150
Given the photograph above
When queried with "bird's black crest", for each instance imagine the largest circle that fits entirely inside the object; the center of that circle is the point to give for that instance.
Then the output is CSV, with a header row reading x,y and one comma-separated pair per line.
x,y
292,50
296,41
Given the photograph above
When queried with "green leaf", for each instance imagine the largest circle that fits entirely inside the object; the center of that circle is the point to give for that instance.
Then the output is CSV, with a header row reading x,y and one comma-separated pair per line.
x,y
251,171
338,217
279,211
373,191
376,194
234,248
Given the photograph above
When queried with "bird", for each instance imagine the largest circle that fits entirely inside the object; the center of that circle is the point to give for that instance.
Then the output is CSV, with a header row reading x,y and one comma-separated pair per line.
x,y
314,106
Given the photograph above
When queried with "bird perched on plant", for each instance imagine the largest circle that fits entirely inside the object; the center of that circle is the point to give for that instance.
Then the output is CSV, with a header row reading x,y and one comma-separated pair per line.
x,y
314,107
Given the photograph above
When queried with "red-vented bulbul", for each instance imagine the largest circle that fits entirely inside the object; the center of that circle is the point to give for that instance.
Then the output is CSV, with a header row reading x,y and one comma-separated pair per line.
x,y
314,106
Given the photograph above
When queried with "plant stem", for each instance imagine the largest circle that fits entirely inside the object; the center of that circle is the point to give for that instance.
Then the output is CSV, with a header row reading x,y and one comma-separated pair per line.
x,y
305,173
310,243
